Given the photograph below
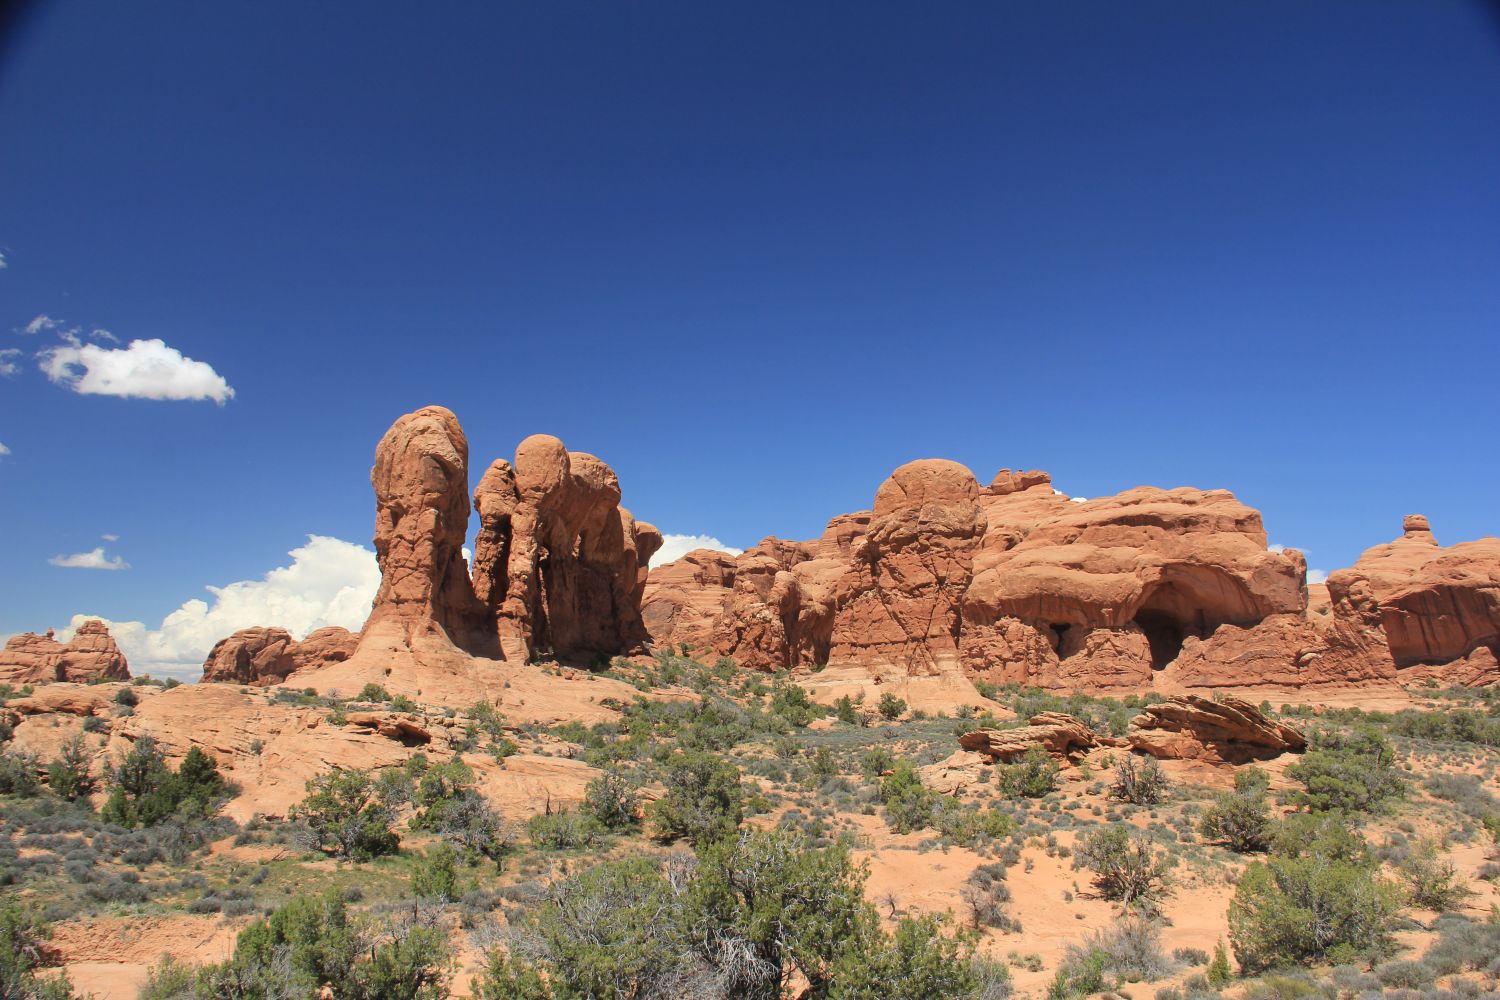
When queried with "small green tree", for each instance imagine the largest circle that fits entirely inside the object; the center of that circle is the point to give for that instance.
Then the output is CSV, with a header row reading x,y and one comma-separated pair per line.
x,y
1141,783
844,710
704,799
346,816
1242,818
68,776
890,707
1219,974
23,939
18,772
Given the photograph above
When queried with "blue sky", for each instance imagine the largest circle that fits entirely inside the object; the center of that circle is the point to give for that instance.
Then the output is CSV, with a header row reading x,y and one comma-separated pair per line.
x,y
753,255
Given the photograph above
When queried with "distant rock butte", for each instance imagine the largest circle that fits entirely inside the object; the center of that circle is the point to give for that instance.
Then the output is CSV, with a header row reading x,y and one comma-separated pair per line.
x,y
269,655
1167,589
91,655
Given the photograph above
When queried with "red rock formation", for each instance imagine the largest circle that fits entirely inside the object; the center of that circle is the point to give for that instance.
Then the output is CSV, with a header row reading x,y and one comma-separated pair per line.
x,y
1435,604
1013,582
421,480
558,563
264,656
1059,734
40,659
558,566
1228,731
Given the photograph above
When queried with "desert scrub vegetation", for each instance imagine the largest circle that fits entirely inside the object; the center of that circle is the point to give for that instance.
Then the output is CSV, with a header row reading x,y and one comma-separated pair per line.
x,y
314,942
347,815
1126,867
742,918
1352,771
1319,895
1240,819
1128,952
144,791
23,950
1140,782
704,800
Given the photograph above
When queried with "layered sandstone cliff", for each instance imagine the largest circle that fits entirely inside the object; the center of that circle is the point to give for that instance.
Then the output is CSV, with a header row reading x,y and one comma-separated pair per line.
x,y
91,655
1014,582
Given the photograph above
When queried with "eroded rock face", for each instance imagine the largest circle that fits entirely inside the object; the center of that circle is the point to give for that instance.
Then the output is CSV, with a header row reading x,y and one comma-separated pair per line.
x,y
263,656
1435,604
1227,730
1010,583
40,659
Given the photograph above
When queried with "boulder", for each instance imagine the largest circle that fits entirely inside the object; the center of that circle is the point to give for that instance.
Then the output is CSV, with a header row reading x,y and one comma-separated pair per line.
x,y
1228,731
91,655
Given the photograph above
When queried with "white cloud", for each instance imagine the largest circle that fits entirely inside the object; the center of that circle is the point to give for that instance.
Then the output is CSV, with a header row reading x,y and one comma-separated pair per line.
x,y
3,262
41,324
146,369
8,366
4,450
1078,499
1275,547
674,547
99,333
110,538
1317,576
93,559
329,582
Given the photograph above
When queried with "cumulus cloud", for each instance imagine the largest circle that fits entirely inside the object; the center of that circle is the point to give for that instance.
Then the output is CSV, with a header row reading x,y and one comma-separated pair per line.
x,y
146,369
93,559
41,324
1317,576
1078,499
676,546
8,366
329,582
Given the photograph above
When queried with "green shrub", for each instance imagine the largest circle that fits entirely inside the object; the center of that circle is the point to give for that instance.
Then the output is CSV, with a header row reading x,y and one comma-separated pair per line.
x,y
890,707
1432,883
1126,867
1319,895
790,702
23,938
68,776
346,816
1219,973
18,772
844,710
1033,776
1351,772
611,800
435,875
1140,782
1240,819
908,805
704,800
919,962
562,830
145,792
127,697
374,692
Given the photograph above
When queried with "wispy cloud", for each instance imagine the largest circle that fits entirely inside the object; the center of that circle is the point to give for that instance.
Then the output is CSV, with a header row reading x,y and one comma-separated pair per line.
x,y
674,547
8,366
146,369
1317,576
4,450
93,559
110,538
41,324
99,333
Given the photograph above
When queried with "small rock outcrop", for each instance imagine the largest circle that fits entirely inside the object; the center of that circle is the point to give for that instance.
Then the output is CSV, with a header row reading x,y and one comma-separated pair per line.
x,y
1059,734
1228,731
91,655
264,656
